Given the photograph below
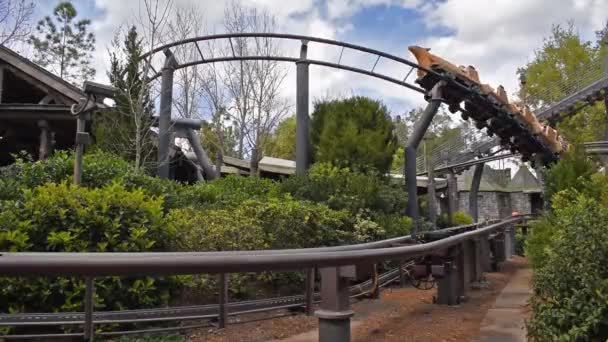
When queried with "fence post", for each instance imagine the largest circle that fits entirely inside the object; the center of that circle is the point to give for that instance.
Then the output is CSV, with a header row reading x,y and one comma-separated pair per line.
x,y
89,293
310,291
223,305
335,312
464,268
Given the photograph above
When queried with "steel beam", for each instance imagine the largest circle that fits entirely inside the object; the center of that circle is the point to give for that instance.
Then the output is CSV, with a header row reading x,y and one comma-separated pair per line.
x,y
302,118
201,155
431,197
475,182
164,120
411,146
452,195
335,312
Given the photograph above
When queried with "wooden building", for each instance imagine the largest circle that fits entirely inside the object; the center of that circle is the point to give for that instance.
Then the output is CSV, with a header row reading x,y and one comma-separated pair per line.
x,y
34,108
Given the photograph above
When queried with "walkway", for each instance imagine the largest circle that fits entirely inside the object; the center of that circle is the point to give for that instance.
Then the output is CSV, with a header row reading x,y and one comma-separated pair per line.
x,y
408,314
504,322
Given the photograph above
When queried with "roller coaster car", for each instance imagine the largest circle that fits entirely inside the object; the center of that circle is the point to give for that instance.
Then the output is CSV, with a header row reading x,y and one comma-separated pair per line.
x,y
529,119
499,119
551,138
464,75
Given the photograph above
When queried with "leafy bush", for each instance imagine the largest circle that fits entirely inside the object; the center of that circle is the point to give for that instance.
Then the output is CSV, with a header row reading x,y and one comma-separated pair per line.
x,y
341,188
570,298
461,218
230,191
66,218
99,169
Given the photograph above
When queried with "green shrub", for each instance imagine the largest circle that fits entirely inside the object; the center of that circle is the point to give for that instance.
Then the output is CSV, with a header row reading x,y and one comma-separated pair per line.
x,y
288,223
341,188
230,191
461,218
570,299
99,169
66,218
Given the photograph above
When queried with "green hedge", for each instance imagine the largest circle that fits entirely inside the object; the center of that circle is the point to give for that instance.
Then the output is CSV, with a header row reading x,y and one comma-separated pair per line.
x,y
66,218
119,208
570,301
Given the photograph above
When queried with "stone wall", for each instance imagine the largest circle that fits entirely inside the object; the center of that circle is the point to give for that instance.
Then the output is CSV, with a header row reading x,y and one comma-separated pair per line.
x,y
492,205
521,202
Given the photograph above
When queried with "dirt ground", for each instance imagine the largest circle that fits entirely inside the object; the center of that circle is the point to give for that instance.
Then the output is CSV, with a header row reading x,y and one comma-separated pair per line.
x,y
400,315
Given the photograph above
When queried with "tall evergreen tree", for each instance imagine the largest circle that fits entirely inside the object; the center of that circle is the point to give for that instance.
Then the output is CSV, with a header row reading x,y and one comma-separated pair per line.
x,y
65,46
126,129
356,132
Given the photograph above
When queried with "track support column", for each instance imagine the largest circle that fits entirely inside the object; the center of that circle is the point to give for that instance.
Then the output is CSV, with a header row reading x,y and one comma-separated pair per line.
x,y
452,195
473,205
302,118
411,146
164,119
82,139
447,286
335,312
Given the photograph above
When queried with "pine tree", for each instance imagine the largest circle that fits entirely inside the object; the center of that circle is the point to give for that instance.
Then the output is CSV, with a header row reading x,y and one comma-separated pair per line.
x,y
65,46
126,129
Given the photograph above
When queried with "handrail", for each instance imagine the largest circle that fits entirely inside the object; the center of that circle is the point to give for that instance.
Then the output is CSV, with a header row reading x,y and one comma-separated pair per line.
x,y
102,264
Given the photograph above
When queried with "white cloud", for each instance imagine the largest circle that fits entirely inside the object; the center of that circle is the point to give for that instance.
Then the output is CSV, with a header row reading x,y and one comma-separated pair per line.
x,y
495,36
499,36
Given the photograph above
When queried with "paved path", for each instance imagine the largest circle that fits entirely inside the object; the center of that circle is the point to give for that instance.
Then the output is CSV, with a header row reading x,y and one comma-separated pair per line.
x,y
504,322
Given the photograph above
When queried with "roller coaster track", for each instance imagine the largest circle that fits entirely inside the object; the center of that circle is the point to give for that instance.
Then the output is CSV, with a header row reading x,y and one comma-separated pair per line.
x,y
211,311
186,313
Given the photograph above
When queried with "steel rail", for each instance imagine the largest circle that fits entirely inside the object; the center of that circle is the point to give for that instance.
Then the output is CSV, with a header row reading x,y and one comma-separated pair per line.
x,y
289,37
295,59
101,264
472,162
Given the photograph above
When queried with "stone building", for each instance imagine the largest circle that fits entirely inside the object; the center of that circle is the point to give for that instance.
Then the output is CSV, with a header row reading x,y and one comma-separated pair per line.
x,y
500,195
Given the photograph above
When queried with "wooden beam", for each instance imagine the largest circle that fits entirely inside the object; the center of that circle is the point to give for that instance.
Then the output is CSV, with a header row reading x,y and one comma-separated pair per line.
x,y
40,85
40,74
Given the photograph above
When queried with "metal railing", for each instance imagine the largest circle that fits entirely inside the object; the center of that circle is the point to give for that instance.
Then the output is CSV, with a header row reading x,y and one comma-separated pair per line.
x,y
334,263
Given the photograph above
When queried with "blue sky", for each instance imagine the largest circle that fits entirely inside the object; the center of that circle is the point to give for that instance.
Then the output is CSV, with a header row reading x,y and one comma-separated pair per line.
x,y
496,36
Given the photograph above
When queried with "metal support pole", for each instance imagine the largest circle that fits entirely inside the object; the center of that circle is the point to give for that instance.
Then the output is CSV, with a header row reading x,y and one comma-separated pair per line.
x,y
410,154
432,205
498,252
452,195
335,312
478,260
475,182
223,305
164,119
486,258
302,118
310,291
447,286
81,140
401,274
464,268
201,155
89,293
